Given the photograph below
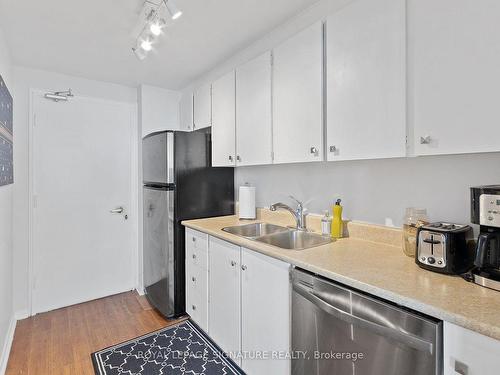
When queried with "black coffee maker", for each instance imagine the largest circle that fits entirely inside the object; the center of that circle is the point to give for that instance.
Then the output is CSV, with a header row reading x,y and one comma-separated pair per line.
x,y
485,211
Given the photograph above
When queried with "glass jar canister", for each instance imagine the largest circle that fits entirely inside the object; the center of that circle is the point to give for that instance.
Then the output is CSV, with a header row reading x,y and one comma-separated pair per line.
x,y
414,218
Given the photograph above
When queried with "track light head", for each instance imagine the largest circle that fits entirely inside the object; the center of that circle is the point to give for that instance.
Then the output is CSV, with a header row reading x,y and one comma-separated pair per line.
x,y
172,9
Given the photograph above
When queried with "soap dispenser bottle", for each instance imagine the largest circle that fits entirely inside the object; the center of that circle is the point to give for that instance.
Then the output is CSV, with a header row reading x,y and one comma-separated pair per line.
x,y
337,223
326,224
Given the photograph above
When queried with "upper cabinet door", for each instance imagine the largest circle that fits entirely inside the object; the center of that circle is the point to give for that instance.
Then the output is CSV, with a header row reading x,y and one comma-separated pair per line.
x,y
455,48
253,112
203,107
223,121
298,97
186,111
366,80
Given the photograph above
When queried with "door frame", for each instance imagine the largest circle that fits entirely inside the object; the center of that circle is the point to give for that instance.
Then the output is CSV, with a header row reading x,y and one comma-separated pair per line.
x,y
134,187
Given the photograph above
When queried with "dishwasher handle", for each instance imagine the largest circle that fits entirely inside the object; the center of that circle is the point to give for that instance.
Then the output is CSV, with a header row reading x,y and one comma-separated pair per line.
x,y
400,336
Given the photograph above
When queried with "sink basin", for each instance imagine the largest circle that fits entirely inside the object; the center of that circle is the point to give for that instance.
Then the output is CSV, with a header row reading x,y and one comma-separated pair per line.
x,y
294,240
255,230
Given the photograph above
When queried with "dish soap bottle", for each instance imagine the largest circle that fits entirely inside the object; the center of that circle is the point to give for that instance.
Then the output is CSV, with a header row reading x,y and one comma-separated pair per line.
x,y
337,223
326,224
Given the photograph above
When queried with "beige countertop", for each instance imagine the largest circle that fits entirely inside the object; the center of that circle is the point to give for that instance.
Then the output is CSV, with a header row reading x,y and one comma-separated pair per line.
x,y
378,267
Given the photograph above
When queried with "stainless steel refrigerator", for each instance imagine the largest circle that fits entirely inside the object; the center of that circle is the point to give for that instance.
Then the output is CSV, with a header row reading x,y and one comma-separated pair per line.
x,y
179,184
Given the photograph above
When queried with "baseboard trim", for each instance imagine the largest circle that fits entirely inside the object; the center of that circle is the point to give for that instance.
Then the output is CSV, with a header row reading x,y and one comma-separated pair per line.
x,y
21,314
7,345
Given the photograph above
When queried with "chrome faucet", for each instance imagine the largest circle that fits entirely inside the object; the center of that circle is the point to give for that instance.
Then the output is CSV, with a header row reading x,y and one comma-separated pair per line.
x,y
299,214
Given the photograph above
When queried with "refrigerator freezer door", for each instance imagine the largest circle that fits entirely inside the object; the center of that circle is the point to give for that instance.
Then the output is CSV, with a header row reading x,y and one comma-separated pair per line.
x,y
158,159
158,249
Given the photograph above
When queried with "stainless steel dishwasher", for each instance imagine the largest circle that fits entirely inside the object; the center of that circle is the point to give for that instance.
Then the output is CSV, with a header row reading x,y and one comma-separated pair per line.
x,y
339,331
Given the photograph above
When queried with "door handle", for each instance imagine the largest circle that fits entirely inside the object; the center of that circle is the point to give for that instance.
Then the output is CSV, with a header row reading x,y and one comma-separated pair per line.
x,y
396,335
121,210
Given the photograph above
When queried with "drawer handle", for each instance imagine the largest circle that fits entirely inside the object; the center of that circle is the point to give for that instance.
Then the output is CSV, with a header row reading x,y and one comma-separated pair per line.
x,y
233,263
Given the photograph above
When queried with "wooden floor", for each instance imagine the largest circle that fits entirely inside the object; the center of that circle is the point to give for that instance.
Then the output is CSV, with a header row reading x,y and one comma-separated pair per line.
x,y
61,341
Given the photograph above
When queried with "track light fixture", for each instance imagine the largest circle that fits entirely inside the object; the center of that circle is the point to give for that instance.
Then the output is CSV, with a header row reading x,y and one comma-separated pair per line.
x,y
150,28
172,9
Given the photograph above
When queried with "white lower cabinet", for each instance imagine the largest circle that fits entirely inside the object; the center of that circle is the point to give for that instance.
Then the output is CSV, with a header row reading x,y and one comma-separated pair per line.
x,y
469,353
197,277
265,313
224,307
249,309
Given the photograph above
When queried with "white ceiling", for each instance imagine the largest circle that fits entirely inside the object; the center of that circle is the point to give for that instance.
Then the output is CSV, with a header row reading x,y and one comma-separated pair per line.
x,y
92,38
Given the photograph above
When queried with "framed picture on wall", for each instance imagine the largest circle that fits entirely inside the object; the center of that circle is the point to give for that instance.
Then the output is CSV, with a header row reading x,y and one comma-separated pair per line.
x,y
6,135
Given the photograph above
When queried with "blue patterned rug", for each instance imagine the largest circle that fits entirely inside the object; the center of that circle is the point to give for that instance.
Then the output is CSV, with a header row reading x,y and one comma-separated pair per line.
x,y
179,349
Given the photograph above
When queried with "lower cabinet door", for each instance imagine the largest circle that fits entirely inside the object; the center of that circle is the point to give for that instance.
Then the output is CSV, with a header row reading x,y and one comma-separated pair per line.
x,y
265,314
469,353
224,308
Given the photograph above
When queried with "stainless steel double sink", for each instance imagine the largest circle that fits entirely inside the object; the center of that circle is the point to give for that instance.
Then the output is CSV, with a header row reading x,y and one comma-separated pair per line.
x,y
275,235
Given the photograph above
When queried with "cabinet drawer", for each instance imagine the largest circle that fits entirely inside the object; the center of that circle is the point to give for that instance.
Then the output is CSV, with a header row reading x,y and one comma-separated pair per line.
x,y
196,249
197,300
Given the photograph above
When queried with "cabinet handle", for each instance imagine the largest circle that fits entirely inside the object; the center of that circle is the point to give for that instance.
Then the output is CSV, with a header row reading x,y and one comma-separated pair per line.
x,y
194,279
233,263
193,239
193,307
238,158
194,256
461,368
333,148
244,268
425,140
230,158
314,151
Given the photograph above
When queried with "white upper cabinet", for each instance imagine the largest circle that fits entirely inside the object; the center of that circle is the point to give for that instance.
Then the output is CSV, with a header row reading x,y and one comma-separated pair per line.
x,y
298,97
223,121
203,107
454,46
186,111
366,80
253,112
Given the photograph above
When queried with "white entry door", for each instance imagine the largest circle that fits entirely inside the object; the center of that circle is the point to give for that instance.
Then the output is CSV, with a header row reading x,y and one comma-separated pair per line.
x,y
81,168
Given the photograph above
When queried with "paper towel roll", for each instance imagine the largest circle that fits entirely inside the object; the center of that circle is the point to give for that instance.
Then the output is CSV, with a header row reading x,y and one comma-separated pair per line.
x,y
247,202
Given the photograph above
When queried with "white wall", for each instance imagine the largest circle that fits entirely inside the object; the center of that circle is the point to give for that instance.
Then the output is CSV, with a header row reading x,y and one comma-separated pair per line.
x,y
319,11
159,109
372,191
24,80
6,310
